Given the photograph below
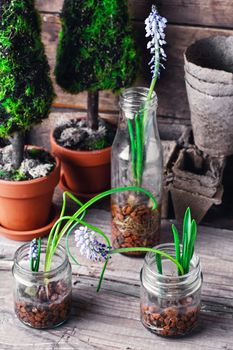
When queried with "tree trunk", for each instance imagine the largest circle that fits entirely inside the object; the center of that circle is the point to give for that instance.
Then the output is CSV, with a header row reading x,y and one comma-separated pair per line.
x,y
18,142
92,110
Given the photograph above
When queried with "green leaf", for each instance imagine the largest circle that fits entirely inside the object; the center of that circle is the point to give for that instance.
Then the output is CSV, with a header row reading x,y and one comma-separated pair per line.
x,y
159,263
186,237
192,242
176,242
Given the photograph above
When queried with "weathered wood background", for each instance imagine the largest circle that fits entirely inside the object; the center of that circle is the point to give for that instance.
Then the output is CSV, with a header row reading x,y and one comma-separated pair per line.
x,y
188,20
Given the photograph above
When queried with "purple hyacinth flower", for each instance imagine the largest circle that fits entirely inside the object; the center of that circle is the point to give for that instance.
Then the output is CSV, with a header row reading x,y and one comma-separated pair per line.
x,y
33,250
155,26
89,246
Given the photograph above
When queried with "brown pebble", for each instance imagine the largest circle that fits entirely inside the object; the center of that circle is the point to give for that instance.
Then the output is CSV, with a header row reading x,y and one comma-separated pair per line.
x,y
54,297
156,316
173,321
39,314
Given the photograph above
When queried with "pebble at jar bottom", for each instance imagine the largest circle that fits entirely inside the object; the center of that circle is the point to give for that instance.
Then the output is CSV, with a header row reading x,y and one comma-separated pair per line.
x,y
50,306
135,226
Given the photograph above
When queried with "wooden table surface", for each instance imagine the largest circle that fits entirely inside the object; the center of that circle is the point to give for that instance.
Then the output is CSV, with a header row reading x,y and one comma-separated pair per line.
x,y
110,319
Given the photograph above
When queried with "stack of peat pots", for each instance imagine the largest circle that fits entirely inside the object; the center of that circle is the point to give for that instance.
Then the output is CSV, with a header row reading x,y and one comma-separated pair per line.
x,y
209,84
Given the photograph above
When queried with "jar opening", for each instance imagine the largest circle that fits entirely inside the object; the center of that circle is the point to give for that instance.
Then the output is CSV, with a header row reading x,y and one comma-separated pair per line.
x,y
170,270
172,283
21,261
136,97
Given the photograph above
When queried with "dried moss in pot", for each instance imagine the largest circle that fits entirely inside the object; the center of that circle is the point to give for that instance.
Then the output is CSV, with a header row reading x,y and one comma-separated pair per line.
x,y
76,135
36,163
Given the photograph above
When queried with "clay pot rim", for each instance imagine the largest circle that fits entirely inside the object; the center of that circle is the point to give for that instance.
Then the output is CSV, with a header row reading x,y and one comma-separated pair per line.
x,y
73,152
33,181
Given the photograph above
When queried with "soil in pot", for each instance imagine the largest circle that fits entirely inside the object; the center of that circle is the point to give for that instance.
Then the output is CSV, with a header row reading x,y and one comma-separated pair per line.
x,y
85,155
44,306
37,163
76,135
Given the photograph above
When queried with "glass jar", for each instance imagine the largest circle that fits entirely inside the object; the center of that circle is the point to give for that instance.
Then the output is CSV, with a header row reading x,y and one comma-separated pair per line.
x,y
42,299
170,304
137,160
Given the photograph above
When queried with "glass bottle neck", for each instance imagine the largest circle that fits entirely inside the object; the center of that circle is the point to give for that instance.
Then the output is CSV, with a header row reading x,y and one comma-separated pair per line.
x,y
134,103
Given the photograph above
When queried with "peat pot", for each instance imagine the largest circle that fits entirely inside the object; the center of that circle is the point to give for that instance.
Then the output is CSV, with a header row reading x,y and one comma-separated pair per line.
x,y
42,299
85,173
196,183
26,205
209,84
170,304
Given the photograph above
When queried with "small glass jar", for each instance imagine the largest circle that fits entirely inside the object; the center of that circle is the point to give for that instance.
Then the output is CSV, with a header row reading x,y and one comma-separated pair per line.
x,y
170,304
42,299
137,160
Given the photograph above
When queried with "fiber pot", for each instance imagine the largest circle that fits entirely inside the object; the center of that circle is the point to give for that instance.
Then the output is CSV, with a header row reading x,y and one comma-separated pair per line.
x,y
209,84
85,172
26,205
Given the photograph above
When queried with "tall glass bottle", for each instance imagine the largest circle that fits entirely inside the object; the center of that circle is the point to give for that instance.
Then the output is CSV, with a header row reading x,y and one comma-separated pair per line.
x,y
137,160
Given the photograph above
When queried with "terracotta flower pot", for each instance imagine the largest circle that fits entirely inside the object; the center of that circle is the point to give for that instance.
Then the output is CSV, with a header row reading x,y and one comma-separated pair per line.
x,y
85,172
26,205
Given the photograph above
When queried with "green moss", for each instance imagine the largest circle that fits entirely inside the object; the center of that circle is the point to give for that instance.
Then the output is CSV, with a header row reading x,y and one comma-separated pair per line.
x,y
26,91
96,50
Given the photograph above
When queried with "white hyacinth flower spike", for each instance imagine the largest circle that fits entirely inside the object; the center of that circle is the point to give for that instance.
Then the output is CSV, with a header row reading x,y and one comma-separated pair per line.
x,y
89,246
155,26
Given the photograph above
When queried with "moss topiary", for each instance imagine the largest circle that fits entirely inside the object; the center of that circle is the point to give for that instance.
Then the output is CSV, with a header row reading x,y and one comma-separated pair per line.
x,y
26,91
96,50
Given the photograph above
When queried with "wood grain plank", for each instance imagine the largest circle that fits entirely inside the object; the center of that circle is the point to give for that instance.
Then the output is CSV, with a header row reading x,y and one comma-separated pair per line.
x,y
171,87
215,13
110,319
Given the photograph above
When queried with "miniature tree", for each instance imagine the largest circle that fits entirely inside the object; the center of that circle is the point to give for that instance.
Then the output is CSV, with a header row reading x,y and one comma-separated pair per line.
x,y
26,91
96,50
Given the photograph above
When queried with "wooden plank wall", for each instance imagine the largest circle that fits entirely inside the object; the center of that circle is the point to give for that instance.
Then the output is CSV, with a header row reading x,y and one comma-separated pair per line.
x,y
188,20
